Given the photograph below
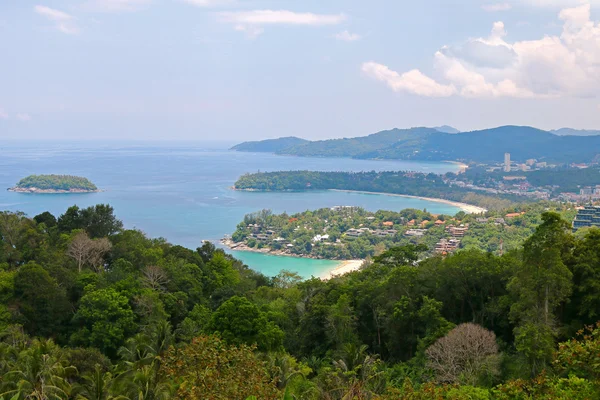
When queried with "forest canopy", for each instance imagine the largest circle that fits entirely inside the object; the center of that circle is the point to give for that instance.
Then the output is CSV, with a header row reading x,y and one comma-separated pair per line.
x,y
56,182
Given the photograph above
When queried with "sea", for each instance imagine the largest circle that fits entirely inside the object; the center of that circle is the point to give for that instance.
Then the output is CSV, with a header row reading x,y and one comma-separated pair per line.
x,y
183,191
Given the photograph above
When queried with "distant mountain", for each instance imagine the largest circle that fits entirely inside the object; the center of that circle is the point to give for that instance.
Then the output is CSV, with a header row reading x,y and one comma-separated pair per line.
x,y
270,145
357,147
575,132
446,129
489,145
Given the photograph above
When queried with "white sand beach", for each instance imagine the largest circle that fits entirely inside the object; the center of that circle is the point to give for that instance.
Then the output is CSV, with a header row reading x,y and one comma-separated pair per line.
x,y
343,268
468,208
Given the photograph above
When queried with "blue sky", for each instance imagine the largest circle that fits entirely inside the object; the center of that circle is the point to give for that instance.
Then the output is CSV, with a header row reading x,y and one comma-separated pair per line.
x,y
245,69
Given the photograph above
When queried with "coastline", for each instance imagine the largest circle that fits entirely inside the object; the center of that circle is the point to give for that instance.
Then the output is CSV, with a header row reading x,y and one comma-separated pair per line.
x,y
50,191
343,267
468,208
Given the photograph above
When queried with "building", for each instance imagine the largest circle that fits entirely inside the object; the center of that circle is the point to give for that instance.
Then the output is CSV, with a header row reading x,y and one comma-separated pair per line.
x,y
588,216
506,162
415,232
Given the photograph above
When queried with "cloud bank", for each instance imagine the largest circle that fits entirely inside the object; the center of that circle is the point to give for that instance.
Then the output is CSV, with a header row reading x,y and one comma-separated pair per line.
x,y
553,66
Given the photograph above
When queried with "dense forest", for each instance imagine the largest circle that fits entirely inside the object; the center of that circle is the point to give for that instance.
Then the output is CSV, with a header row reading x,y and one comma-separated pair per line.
x,y
90,310
326,233
486,146
407,183
56,182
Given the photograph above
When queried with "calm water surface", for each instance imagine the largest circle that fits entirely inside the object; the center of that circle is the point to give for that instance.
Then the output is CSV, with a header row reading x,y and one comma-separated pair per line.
x,y
182,192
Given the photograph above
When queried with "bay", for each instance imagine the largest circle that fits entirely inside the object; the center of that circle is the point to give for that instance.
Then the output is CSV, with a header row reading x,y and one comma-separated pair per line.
x,y
182,192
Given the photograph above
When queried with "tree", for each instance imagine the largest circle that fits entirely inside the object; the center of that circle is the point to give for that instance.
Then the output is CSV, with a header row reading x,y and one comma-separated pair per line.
x,y
46,218
539,286
240,322
98,221
86,251
208,368
41,300
464,355
105,320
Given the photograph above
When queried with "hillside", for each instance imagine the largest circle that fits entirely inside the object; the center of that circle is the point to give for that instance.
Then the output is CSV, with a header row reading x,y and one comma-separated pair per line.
x,y
487,146
270,145
54,184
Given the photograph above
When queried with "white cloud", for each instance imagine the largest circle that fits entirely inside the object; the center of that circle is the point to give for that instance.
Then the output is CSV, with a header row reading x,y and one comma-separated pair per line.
x,y
3,114
62,21
251,31
347,36
552,66
23,117
116,6
209,3
496,7
253,21
413,81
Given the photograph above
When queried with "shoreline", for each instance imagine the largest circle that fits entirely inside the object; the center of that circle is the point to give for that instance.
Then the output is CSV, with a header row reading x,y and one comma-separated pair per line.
x,y
50,191
343,267
468,208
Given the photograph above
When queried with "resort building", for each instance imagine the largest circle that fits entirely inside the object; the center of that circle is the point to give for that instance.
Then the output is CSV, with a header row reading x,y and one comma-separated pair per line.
x,y
588,216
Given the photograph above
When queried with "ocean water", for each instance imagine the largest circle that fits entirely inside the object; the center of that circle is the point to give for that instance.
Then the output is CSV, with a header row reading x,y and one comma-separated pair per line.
x,y
183,192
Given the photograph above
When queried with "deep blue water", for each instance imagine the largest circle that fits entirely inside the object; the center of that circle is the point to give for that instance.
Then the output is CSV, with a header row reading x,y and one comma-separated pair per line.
x,y
182,192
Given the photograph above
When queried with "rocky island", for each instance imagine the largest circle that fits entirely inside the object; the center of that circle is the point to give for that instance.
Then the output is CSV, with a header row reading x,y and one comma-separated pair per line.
x,y
54,184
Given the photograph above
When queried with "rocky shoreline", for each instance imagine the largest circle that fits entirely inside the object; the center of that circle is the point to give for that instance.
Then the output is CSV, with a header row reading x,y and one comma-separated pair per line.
x,y
49,191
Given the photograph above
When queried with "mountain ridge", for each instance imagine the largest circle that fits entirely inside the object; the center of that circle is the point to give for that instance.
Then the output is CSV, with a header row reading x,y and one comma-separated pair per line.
x,y
431,144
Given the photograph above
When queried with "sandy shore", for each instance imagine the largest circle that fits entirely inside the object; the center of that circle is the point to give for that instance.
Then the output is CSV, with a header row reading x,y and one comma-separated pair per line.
x,y
468,208
343,268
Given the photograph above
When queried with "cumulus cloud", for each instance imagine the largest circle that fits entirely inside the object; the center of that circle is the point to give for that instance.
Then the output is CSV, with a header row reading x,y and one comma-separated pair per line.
x,y
496,7
347,36
412,81
253,21
553,66
61,20
23,117
116,6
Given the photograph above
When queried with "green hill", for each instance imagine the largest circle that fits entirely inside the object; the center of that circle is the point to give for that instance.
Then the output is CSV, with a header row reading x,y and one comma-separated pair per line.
x,y
270,145
487,146
62,183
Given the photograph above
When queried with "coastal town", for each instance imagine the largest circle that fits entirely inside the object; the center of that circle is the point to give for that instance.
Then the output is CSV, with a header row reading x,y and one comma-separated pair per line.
x,y
528,178
349,233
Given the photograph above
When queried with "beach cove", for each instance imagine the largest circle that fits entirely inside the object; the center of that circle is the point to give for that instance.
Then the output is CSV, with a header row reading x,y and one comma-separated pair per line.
x,y
182,192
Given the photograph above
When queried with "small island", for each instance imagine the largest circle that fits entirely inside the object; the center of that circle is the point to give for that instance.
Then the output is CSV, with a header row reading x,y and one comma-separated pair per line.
x,y
54,184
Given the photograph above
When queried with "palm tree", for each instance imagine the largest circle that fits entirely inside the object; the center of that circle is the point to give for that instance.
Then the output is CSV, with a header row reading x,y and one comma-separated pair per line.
x,y
38,373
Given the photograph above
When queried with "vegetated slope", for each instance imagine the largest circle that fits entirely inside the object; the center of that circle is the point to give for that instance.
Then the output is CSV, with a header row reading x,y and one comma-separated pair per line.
x,y
488,145
56,182
360,146
270,145
522,142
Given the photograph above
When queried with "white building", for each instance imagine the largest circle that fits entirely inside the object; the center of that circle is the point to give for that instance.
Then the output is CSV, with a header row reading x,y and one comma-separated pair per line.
x,y
506,162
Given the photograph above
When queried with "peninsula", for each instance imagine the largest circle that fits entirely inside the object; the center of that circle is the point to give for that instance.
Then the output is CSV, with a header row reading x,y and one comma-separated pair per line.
x,y
54,184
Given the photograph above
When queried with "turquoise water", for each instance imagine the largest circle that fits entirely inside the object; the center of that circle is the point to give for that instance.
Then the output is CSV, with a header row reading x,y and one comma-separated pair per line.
x,y
182,192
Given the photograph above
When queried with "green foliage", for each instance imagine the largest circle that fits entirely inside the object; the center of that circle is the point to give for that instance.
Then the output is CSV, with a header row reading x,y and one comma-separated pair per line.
x,y
105,320
210,368
240,321
139,322
56,182
407,183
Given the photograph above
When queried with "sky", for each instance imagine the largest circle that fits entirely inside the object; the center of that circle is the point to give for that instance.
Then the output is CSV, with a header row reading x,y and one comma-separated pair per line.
x,y
253,69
